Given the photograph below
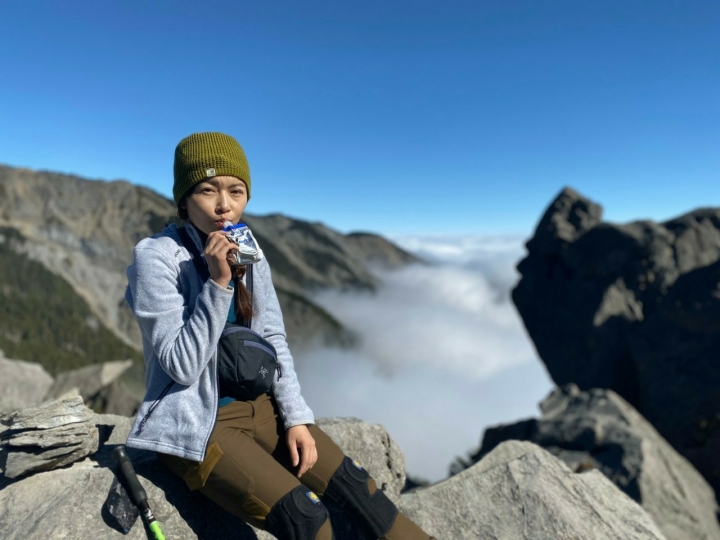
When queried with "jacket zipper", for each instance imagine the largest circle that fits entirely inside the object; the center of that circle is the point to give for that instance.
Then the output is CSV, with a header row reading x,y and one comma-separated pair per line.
x,y
217,408
152,407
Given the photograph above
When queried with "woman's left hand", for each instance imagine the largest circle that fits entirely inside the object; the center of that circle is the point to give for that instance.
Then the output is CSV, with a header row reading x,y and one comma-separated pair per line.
x,y
302,448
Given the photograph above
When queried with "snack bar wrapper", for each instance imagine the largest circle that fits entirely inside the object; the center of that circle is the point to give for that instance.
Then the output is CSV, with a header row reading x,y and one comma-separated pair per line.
x,y
250,252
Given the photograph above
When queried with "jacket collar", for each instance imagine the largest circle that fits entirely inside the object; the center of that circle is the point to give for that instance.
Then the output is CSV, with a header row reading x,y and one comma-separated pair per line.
x,y
195,237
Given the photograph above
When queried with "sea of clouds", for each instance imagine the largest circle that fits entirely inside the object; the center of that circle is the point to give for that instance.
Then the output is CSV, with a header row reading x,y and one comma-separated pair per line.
x,y
443,353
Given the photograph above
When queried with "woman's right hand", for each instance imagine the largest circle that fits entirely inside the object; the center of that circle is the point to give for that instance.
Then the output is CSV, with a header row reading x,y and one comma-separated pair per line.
x,y
218,249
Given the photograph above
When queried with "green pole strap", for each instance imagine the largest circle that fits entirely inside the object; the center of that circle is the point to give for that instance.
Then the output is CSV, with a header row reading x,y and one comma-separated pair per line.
x,y
157,533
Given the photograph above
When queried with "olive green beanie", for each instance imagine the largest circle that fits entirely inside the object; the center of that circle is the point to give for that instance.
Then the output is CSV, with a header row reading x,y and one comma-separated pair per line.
x,y
204,155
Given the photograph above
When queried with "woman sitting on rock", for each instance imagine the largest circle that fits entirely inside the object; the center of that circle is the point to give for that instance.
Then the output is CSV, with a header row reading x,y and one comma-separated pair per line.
x,y
256,453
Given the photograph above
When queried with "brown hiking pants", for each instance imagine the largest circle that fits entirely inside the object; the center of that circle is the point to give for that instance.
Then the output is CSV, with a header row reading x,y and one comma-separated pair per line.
x,y
247,467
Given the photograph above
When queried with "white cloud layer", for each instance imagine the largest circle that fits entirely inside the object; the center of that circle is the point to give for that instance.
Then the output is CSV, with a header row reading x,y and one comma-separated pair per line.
x,y
439,316
443,352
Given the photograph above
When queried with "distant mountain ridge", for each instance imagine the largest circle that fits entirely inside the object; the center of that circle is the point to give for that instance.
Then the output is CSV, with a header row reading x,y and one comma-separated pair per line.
x,y
83,231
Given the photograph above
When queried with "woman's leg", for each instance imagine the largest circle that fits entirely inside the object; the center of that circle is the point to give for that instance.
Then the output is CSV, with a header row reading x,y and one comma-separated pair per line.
x,y
338,477
350,485
242,477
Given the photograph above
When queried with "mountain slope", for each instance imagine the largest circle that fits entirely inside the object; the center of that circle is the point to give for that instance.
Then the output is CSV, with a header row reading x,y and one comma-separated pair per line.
x,y
44,320
83,231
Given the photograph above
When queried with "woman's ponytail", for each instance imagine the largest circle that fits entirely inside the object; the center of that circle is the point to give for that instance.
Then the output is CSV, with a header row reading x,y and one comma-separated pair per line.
x,y
243,300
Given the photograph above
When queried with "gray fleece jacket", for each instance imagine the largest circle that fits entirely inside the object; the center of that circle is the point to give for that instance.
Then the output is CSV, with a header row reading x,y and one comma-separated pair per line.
x,y
181,320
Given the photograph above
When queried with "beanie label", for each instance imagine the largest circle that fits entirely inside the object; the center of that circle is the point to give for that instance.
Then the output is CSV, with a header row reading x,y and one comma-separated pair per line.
x,y
209,172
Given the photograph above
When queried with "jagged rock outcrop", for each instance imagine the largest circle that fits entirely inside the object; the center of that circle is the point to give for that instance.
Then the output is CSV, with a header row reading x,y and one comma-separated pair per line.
x,y
634,308
52,435
22,384
84,231
597,429
518,492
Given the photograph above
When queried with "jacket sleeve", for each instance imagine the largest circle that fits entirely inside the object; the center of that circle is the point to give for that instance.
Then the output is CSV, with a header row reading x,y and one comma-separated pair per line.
x,y
293,409
183,340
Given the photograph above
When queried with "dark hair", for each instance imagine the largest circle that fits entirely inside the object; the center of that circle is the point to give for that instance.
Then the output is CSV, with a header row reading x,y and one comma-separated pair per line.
x,y
182,208
243,299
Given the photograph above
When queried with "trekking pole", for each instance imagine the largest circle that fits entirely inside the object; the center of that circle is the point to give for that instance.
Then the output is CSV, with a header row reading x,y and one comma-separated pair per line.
x,y
138,492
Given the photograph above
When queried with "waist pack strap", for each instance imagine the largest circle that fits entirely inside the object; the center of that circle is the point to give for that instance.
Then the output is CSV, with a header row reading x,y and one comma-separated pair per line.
x,y
197,259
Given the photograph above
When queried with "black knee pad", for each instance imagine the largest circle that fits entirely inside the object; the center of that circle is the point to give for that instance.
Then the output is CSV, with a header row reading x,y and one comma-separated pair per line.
x,y
297,516
349,488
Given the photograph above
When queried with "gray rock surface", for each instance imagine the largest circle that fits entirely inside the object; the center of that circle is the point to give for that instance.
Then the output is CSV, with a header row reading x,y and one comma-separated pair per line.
x,y
635,308
65,410
81,489
22,384
118,399
521,492
597,429
371,446
518,492
100,386
88,380
51,435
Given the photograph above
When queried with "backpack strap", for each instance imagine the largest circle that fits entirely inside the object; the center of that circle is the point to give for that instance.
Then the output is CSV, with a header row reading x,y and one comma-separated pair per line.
x,y
249,278
197,259
249,286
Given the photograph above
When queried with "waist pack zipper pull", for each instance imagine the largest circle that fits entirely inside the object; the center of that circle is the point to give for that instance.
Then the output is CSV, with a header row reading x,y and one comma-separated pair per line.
x,y
279,370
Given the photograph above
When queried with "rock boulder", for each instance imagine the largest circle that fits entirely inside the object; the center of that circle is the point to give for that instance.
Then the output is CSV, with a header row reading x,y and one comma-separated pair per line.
x,y
372,447
518,492
22,384
100,386
81,489
597,429
46,437
634,308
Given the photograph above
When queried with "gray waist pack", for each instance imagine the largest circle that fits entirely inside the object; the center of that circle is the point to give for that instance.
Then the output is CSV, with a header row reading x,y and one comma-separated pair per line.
x,y
246,363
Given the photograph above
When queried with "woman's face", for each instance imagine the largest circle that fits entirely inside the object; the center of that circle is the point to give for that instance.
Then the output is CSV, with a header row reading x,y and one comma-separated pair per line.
x,y
216,200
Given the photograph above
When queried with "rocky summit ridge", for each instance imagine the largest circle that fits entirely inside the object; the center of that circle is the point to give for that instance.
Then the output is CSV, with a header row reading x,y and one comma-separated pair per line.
x,y
598,430
518,491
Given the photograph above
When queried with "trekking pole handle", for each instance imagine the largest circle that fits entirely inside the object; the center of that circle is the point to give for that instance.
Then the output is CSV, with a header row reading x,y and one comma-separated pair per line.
x,y
138,493
121,457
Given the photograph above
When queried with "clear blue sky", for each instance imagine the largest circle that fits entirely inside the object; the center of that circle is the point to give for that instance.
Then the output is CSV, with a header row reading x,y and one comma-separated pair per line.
x,y
392,116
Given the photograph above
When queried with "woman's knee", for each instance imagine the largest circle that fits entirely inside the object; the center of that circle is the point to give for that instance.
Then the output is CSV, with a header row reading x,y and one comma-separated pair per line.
x,y
352,487
299,515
